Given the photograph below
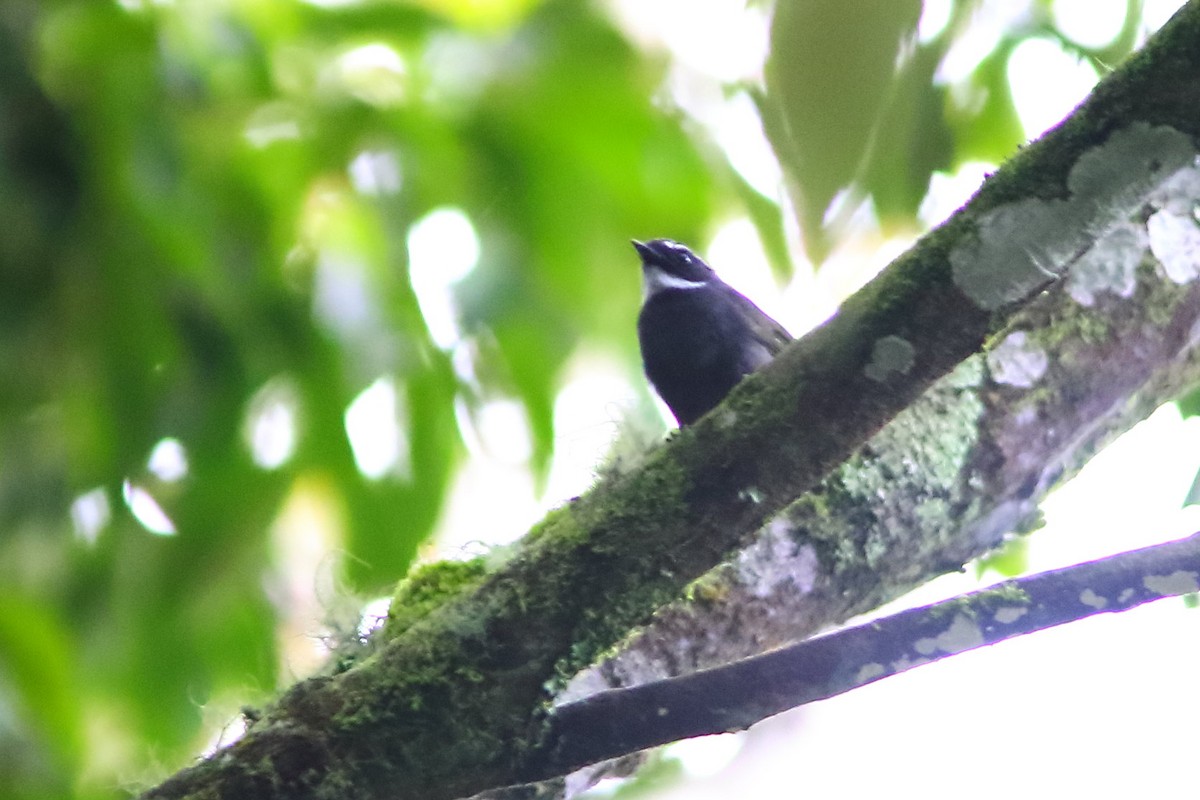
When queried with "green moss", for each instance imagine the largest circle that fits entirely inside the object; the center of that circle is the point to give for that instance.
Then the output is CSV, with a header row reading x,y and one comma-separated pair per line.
x,y
815,505
847,556
953,607
928,448
932,511
582,564
470,675
1094,329
557,519
651,499
1077,324
1164,296
709,588
809,519
935,448
875,550
428,587
601,636
913,473
986,601
1004,593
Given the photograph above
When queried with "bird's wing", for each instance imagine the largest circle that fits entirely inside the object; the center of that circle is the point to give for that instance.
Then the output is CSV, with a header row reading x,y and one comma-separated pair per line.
x,y
769,333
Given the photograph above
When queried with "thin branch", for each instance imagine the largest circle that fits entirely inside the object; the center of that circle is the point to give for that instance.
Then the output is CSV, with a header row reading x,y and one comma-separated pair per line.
x,y
734,697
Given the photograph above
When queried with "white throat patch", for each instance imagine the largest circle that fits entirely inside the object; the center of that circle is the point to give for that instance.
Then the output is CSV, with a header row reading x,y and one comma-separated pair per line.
x,y
655,280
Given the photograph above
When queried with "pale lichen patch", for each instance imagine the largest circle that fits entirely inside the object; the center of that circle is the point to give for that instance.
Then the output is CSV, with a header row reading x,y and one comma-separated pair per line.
x,y
1023,245
775,560
963,634
925,646
1007,615
1178,582
1175,242
1109,265
869,672
901,664
1194,334
726,418
890,356
1134,162
1090,598
1179,193
752,494
1017,361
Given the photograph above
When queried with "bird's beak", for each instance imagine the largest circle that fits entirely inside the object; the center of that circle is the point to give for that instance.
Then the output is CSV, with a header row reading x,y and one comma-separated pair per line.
x,y
643,250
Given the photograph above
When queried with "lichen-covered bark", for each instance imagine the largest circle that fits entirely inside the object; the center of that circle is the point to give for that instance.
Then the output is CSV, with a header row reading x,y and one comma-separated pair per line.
x,y
454,703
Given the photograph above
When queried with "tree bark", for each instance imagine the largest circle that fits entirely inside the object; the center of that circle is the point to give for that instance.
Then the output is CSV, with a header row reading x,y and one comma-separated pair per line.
x,y
457,702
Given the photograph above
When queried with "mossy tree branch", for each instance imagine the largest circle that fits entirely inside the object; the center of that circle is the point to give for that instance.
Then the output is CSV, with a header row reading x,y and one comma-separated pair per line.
x,y
455,703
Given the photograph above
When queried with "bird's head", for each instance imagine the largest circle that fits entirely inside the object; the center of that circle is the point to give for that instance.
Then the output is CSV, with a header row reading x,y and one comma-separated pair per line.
x,y
670,265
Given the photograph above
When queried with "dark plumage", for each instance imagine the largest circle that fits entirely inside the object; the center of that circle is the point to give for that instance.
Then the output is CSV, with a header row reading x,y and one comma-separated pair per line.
x,y
699,336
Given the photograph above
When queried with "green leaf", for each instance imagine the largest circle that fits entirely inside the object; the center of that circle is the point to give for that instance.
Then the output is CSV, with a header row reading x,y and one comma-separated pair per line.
x,y
1193,495
829,75
1009,561
1189,404
39,671
987,127
913,141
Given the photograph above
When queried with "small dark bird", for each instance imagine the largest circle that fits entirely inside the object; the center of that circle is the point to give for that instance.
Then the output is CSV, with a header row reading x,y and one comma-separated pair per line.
x,y
699,335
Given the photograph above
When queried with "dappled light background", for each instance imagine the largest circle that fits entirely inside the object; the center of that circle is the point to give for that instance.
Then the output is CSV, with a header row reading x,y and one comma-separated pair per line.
x,y
293,294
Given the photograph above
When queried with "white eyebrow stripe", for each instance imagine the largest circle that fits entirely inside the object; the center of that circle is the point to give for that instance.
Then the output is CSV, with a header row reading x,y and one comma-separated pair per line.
x,y
655,280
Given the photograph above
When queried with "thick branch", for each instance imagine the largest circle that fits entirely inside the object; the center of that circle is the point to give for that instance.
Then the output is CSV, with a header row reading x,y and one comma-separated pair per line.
x,y
736,696
452,705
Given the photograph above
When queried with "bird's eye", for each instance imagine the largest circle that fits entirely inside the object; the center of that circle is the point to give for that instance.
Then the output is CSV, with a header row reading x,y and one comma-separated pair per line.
x,y
681,252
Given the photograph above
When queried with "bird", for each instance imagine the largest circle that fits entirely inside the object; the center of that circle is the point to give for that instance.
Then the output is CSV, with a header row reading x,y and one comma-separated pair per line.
x,y
698,335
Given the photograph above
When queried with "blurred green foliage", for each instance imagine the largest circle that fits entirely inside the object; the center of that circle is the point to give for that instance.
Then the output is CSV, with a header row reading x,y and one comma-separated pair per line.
x,y
205,209
857,107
